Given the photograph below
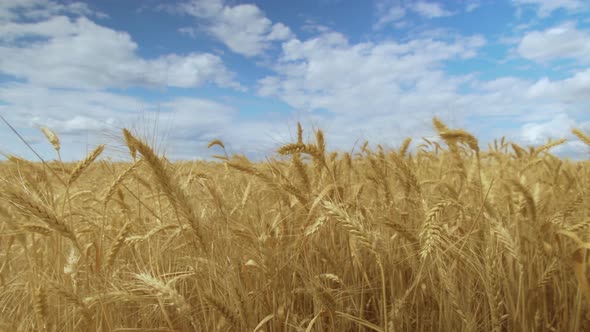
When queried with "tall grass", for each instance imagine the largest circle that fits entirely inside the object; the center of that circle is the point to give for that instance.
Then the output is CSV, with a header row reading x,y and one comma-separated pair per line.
x,y
440,236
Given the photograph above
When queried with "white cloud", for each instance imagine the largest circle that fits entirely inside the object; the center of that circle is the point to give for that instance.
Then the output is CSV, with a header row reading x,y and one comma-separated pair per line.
x,y
329,72
279,31
189,31
386,91
555,127
389,12
76,114
195,114
572,89
69,111
40,9
471,6
181,126
203,8
560,42
381,91
533,100
29,105
430,9
81,54
389,15
63,65
243,28
546,7
502,84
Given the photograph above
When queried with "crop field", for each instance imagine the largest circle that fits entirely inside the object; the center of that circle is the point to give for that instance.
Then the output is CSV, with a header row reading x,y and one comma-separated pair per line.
x,y
432,235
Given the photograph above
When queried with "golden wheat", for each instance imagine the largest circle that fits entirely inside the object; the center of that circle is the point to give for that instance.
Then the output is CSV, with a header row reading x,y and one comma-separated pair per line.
x,y
52,138
439,238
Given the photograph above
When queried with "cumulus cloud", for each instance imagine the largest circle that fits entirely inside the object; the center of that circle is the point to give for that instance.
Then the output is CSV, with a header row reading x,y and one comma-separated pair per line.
x,y
388,90
63,109
561,42
59,70
557,126
77,53
74,114
381,90
327,72
430,9
181,126
546,7
529,100
394,12
40,9
571,89
194,115
472,5
243,28
388,15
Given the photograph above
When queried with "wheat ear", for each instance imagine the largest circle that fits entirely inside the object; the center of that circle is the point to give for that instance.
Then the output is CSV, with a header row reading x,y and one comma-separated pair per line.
x,y
41,306
169,185
119,180
405,145
169,293
41,212
73,299
83,164
117,244
51,137
354,227
225,311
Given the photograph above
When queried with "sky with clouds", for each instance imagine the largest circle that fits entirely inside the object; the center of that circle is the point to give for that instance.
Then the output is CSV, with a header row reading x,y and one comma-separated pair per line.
x,y
186,72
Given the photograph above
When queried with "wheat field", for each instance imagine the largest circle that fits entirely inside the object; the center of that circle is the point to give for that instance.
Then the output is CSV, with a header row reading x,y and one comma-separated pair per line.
x,y
434,235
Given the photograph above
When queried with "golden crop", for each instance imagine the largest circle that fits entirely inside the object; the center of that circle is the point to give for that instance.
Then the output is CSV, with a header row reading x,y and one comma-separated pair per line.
x,y
442,237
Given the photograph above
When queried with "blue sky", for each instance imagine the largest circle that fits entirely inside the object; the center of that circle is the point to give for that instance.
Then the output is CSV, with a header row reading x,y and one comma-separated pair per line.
x,y
187,72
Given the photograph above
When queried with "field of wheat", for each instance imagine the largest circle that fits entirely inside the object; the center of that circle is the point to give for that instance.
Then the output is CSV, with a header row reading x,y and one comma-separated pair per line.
x,y
435,235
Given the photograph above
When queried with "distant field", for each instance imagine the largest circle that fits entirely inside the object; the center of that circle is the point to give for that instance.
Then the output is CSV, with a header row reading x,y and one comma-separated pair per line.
x,y
431,236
